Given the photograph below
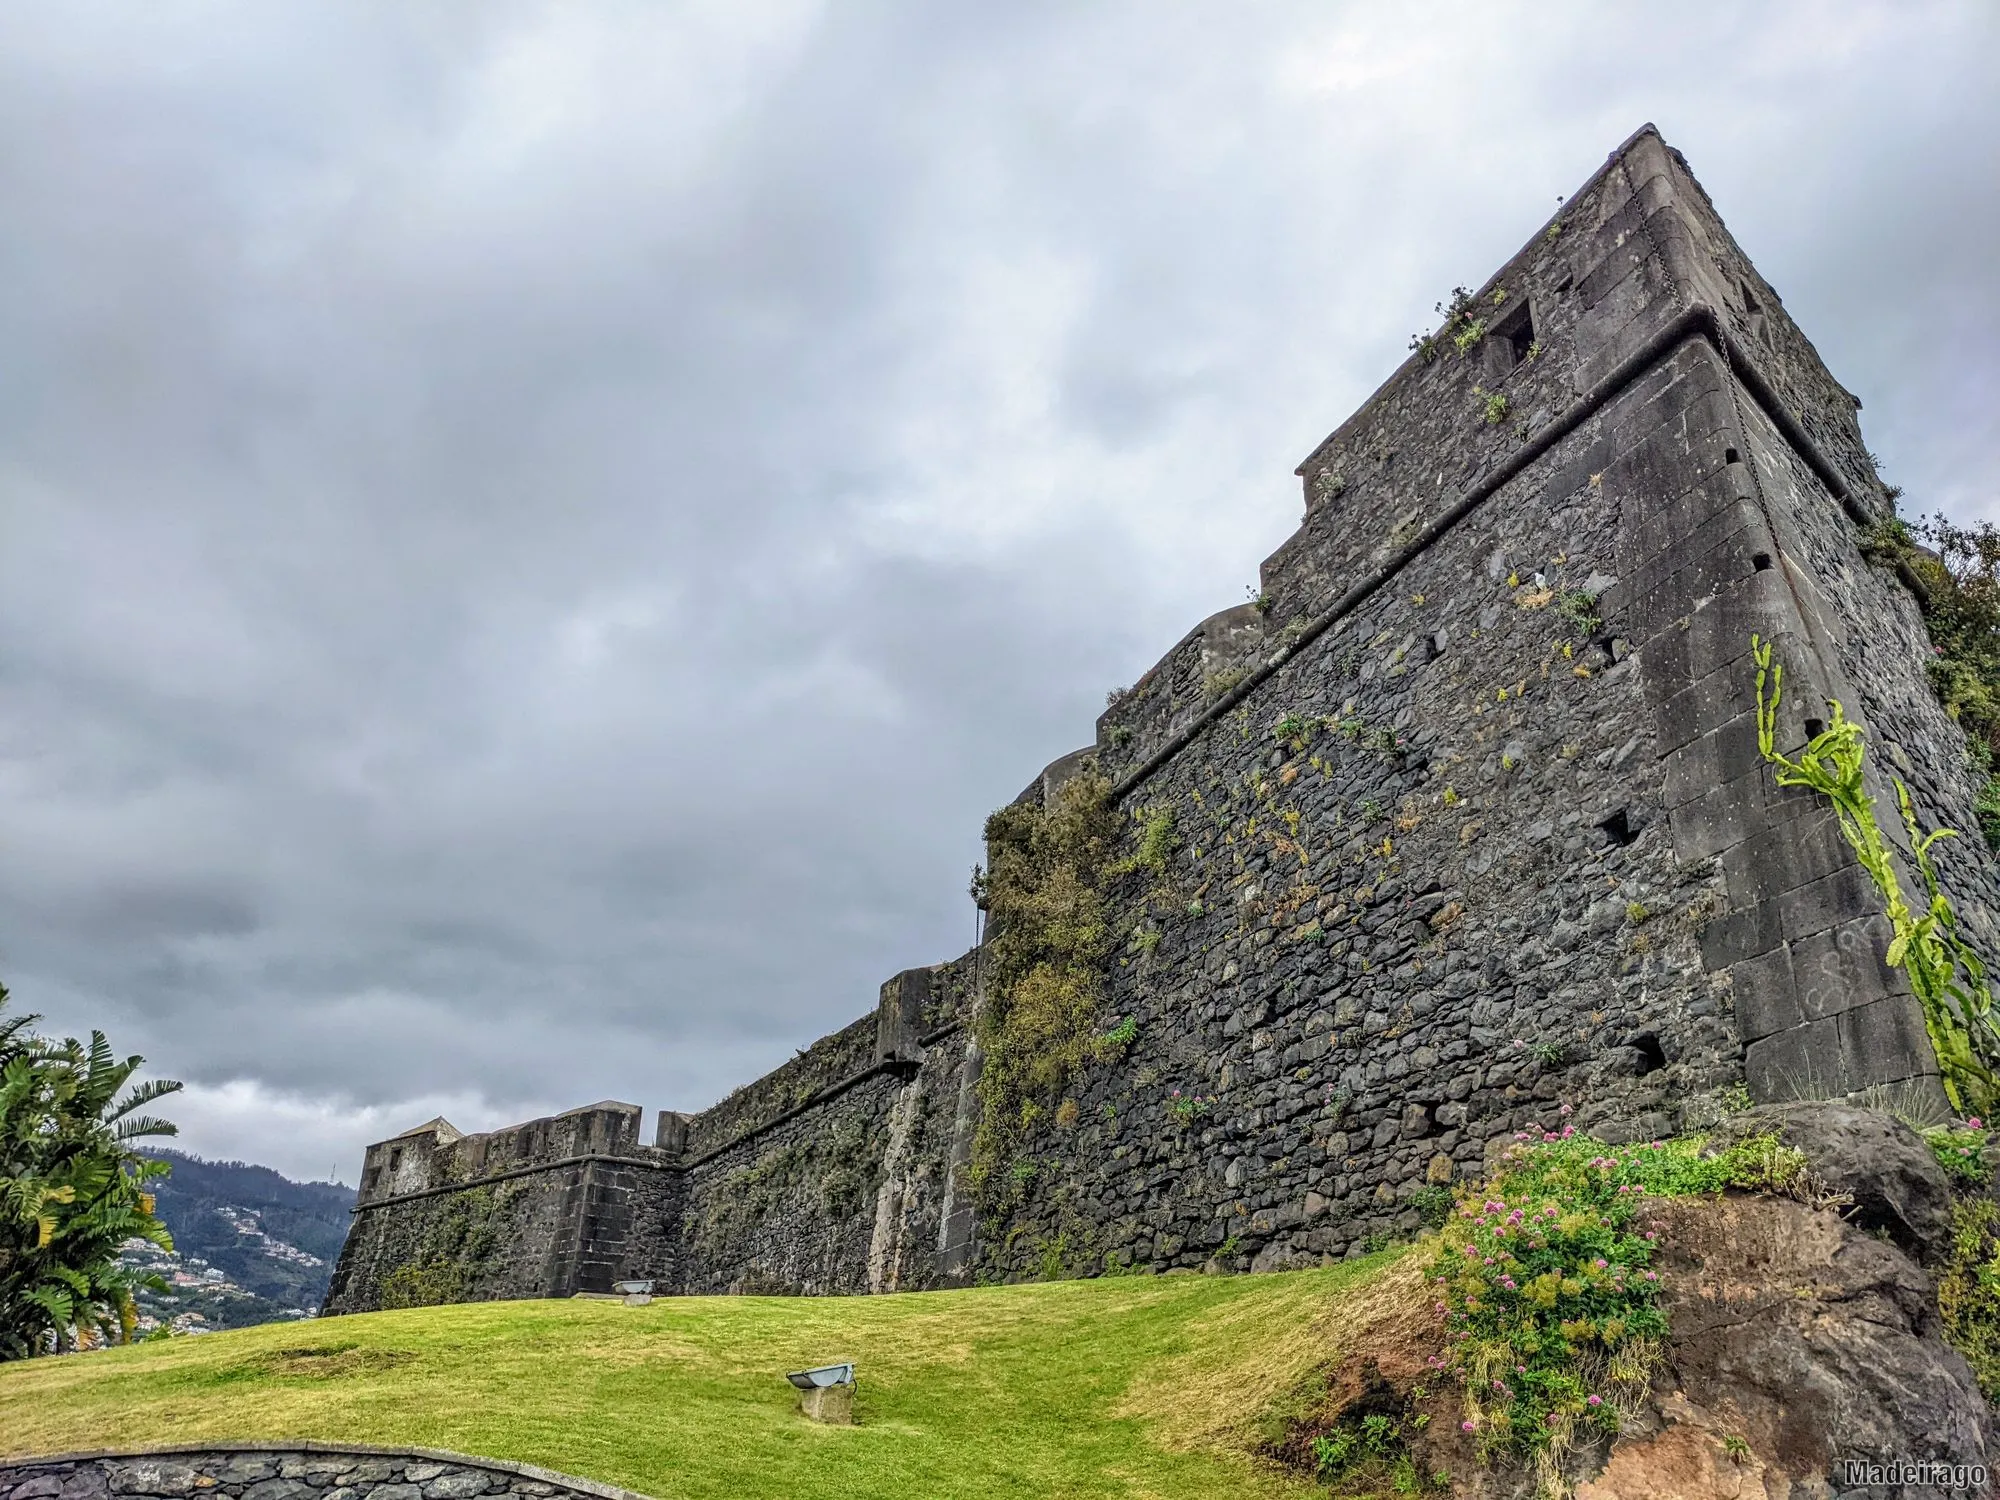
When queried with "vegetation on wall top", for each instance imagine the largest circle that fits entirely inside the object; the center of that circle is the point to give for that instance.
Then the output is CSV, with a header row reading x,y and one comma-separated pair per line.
x,y
1958,571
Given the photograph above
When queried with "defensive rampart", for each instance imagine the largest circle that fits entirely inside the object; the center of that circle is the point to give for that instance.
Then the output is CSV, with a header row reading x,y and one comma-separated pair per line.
x,y
1464,818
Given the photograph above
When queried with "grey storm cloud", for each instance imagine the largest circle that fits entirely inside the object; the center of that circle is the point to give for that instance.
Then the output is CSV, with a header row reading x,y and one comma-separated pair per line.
x,y
532,535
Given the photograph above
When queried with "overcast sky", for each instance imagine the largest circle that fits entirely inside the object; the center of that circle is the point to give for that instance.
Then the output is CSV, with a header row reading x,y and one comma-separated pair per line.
x,y
531,536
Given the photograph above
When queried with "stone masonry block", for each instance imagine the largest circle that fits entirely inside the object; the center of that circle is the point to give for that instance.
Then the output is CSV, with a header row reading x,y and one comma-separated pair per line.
x,y
1720,818
1734,555
1766,995
1664,525
1884,1041
1624,220
1722,624
1707,703
1842,968
1743,932
1722,755
1778,859
1804,1061
1827,902
1618,327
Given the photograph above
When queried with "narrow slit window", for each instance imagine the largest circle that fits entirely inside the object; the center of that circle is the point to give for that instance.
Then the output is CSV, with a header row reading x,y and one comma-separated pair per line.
x,y
1512,340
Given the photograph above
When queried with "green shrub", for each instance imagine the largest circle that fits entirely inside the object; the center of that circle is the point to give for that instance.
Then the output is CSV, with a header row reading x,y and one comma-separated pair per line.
x,y
1969,1291
1961,1151
1547,1293
1369,1454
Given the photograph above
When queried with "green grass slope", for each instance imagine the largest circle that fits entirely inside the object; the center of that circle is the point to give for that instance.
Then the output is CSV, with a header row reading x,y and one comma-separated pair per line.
x,y
1136,1387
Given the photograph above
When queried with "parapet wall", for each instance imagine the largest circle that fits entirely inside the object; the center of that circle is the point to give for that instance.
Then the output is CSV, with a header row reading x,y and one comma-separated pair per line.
x,y
289,1471
1467,821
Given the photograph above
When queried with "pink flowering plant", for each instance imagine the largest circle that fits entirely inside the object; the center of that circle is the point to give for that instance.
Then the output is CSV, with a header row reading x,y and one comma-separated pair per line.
x,y
1546,1287
1960,1149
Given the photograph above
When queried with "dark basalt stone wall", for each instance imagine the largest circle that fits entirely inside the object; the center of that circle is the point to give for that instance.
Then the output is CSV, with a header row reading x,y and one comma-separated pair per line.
x,y
1469,821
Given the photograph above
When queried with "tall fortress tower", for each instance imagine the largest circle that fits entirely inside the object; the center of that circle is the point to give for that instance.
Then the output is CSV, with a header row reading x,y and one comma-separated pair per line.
x,y
1463,818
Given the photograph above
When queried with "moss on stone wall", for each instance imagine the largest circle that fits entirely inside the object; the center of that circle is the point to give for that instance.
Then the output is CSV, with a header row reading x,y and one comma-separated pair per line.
x,y
457,1250
1049,947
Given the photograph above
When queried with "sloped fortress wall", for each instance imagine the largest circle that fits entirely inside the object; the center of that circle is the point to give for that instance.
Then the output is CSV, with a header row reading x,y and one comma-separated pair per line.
x,y
1462,822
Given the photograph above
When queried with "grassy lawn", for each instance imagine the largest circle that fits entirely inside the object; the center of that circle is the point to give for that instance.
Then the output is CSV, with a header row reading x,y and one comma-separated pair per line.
x,y
1121,1387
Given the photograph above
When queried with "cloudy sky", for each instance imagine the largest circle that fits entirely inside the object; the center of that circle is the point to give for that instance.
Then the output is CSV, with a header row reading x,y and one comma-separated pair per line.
x,y
532,535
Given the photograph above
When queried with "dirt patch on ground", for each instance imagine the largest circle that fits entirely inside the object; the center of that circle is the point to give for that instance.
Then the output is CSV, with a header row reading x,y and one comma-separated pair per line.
x,y
332,1361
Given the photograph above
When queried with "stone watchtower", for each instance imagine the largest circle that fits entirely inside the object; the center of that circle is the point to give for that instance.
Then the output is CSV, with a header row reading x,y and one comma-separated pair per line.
x,y
1463,819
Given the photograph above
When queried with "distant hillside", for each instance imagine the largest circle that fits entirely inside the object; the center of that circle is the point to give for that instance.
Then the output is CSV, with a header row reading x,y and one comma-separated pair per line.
x,y
273,1240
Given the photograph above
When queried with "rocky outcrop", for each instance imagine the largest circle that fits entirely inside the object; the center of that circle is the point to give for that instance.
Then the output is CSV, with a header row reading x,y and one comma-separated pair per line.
x,y
289,1471
1800,1342
1871,1157
1803,1340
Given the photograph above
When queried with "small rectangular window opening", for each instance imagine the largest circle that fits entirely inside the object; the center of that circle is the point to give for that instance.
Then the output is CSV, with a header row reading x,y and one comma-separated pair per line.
x,y
395,1159
1618,828
1815,728
1731,456
1761,562
1513,339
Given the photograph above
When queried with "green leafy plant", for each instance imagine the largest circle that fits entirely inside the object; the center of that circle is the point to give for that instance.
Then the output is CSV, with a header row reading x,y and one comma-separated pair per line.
x,y
1433,1204
1370,1450
1948,978
72,1188
1578,608
1495,405
1961,1151
1185,1109
1292,729
1220,684
1157,842
1548,1297
1969,1290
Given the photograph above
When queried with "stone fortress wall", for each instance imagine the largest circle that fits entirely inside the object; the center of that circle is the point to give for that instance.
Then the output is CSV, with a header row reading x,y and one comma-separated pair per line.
x,y
1449,843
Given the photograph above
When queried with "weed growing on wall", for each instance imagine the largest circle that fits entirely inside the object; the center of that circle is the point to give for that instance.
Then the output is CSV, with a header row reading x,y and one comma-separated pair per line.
x,y
1546,1289
1048,946
1946,975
